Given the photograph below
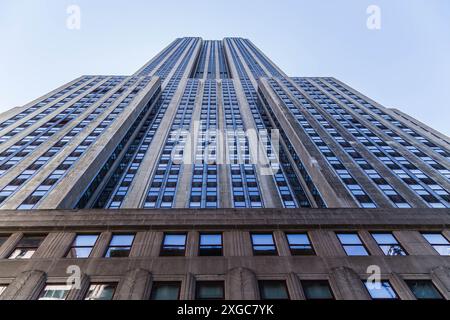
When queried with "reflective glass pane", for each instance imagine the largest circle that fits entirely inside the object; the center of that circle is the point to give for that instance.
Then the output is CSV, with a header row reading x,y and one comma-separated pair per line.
x,y
85,240
393,250
122,240
356,251
22,254
317,290
31,241
211,239
210,291
79,253
443,250
381,290
436,239
2,289
165,291
55,292
273,290
261,239
349,238
424,290
101,292
175,239
384,238
294,239
118,252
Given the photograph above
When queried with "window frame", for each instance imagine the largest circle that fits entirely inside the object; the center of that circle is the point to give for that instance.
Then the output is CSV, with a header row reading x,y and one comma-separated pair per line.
x,y
291,250
389,244
72,246
397,297
437,245
261,295
105,255
258,253
115,284
157,284
49,284
200,245
164,253
222,284
18,246
429,281
362,244
325,281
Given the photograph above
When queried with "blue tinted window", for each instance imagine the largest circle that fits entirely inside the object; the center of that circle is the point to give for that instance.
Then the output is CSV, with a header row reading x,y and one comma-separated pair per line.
x,y
352,244
263,244
380,290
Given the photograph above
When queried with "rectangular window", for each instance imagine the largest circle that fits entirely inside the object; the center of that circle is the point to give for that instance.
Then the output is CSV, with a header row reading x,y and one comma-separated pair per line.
x,y
165,291
380,290
438,242
352,244
317,290
388,244
120,246
26,247
299,244
211,245
55,292
273,290
174,245
98,291
424,290
210,290
263,244
82,246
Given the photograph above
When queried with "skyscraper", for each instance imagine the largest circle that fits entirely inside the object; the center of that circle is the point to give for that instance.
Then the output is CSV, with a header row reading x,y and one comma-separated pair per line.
x,y
297,166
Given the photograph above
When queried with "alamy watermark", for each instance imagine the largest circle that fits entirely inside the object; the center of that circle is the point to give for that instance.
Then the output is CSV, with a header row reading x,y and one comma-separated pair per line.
x,y
73,21
226,147
374,18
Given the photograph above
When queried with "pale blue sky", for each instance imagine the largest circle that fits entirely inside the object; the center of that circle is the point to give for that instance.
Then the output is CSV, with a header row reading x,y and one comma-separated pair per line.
x,y
406,64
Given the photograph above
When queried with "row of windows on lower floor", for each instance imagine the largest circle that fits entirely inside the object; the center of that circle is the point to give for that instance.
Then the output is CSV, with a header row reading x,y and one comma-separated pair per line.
x,y
268,290
211,244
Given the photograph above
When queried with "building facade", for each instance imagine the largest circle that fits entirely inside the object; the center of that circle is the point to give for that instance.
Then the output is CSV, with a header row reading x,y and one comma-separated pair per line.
x,y
210,173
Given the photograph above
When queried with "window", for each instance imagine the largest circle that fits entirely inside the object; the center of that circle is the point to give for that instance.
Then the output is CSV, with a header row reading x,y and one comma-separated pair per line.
x,y
438,242
82,246
273,290
165,291
380,290
101,291
211,245
388,244
299,244
210,290
424,290
55,292
263,244
120,246
26,247
3,239
2,288
317,290
174,245
352,244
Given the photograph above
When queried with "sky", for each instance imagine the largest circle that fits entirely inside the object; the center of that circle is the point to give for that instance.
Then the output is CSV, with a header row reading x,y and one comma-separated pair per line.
x,y
405,64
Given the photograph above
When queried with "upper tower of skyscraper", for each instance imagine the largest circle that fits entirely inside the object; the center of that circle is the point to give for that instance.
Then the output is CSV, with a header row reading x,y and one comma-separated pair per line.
x,y
216,124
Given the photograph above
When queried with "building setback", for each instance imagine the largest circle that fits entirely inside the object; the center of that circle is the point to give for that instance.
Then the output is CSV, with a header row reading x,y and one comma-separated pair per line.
x,y
210,171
